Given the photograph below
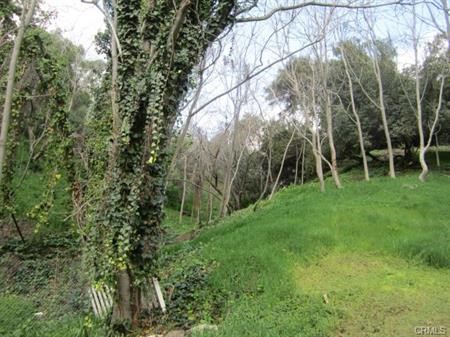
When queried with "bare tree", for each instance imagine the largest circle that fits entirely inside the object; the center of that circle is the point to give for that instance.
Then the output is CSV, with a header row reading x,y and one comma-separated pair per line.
x,y
356,119
305,89
238,99
423,143
322,23
380,104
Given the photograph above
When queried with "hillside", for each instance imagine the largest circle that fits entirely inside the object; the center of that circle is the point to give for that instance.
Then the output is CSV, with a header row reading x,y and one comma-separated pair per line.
x,y
372,259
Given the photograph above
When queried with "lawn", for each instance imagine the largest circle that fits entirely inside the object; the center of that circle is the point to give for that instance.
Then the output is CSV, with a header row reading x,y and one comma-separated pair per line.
x,y
372,259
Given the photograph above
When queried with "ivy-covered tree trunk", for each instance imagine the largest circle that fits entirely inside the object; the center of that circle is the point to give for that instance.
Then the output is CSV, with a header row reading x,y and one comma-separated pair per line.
x,y
161,42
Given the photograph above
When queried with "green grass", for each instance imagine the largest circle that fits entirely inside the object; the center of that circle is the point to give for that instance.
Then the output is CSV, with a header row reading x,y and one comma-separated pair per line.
x,y
379,250
172,224
30,193
17,320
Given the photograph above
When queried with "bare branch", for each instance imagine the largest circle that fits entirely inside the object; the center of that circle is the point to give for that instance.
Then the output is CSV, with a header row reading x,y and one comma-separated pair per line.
x,y
108,19
250,76
318,4
436,116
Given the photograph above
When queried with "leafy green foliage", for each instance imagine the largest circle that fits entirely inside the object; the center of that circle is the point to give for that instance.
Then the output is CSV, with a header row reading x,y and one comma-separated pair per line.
x,y
40,108
191,297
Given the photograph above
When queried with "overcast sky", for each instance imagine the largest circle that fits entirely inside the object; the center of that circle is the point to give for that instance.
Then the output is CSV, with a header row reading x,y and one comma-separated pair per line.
x,y
78,21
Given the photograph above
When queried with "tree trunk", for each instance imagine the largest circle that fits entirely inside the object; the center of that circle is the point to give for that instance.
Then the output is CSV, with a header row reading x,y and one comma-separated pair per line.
x,y
303,162
193,183
114,87
329,117
122,317
158,56
210,203
419,114
229,165
25,20
447,25
381,105
319,168
275,185
357,119
385,123
424,173
422,146
297,160
226,190
183,196
438,161
196,207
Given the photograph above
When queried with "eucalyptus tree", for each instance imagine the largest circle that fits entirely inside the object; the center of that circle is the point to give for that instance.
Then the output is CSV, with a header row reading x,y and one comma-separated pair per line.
x,y
300,88
423,79
322,65
357,119
379,102
239,99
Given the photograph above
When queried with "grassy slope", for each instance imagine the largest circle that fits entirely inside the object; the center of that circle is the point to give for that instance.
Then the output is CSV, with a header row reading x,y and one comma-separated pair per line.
x,y
380,250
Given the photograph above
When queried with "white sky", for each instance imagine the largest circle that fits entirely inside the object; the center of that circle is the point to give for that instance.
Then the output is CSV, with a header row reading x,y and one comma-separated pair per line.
x,y
78,21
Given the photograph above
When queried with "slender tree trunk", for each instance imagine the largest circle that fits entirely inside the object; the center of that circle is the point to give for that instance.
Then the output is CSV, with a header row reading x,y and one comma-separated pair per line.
x,y
286,149
424,173
357,119
422,146
297,160
226,185
193,183
27,15
384,120
419,114
231,182
319,167
13,217
329,117
362,147
303,162
230,162
447,25
187,124
183,196
266,183
315,132
381,104
197,197
438,161
210,203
